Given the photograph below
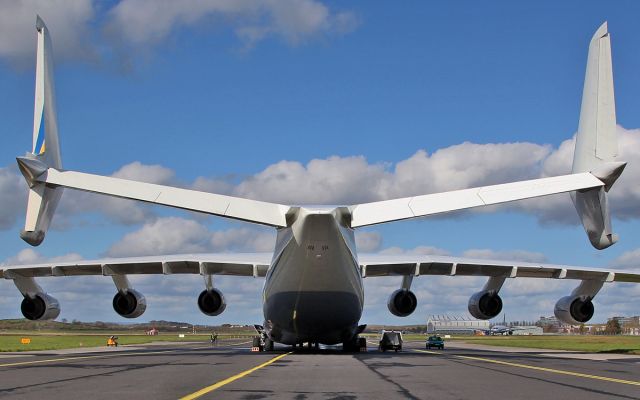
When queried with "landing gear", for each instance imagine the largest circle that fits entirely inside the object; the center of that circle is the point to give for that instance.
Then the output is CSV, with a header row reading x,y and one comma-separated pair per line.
x,y
355,345
257,344
362,345
268,344
261,343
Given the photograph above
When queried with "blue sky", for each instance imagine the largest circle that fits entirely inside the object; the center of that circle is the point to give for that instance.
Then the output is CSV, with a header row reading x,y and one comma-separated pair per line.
x,y
218,99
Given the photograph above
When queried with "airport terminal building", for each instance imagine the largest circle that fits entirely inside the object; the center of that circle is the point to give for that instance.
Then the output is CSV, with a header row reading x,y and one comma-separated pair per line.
x,y
455,325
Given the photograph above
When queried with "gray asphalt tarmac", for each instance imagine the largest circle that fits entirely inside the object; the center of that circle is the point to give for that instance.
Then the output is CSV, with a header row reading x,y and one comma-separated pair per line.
x,y
231,371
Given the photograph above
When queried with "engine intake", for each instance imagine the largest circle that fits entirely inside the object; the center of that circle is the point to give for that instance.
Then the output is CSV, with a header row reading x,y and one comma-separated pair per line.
x,y
574,310
485,305
211,302
129,304
402,302
40,307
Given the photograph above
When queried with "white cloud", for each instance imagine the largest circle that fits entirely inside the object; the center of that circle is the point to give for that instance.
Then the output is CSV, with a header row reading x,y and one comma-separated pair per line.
x,y
121,211
147,22
517,255
67,20
367,241
332,181
629,260
80,29
243,239
163,236
173,235
30,256
419,250
13,197
328,181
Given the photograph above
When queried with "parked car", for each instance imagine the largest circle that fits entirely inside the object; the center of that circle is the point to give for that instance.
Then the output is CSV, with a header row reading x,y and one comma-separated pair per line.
x,y
390,340
435,342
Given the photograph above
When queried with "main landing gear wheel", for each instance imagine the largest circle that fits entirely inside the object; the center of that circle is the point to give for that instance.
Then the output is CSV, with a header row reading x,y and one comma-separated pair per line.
x,y
257,344
268,345
355,345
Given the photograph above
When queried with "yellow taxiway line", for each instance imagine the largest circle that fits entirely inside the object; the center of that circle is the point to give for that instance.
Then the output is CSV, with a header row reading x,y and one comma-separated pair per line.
x,y
218,385
533,367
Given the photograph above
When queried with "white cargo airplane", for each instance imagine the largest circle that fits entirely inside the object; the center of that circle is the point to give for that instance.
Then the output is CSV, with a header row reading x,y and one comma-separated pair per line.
x,y
313,289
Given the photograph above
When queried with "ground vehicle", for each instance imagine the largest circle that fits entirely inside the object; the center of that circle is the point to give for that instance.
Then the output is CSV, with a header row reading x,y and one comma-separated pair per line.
x,y
112,341
390,340
435,342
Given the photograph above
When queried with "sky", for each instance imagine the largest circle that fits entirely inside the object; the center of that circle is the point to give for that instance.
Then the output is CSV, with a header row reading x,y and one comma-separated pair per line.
x,y
317,102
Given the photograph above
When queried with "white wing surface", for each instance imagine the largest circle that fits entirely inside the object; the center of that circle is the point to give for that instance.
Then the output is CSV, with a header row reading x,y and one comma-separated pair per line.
x,y
373,265
420,206
249,264
259,212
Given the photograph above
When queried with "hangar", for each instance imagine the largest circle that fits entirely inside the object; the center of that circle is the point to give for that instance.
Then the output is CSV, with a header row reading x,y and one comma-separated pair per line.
x,y
455,325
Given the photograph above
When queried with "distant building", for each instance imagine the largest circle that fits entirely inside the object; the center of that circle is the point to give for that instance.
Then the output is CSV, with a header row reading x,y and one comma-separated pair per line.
x,y
527,330
634,331
549,321
629,325
455,325
152,332
627,321
554,325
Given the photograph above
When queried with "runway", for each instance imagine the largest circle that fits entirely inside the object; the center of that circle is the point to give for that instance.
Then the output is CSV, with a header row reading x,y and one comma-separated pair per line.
x,y
231,371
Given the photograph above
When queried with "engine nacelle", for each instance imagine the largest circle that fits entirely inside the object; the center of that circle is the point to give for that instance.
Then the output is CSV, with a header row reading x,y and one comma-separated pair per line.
x,y
574,310
211,302
485,304
129,304
42,306
402,302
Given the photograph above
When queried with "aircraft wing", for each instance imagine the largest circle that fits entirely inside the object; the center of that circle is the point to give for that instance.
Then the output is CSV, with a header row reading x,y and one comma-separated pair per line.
x,y
249,264
373,265
419,206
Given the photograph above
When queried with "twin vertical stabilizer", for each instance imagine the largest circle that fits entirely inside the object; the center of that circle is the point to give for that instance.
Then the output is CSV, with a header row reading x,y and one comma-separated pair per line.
x,y
46,149
596,142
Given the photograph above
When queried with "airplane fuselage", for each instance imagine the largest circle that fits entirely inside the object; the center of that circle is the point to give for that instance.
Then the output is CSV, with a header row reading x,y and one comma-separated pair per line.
x,y
313,290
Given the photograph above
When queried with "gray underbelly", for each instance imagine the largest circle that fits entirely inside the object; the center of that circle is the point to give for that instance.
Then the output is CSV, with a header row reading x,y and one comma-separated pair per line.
x,y
322,316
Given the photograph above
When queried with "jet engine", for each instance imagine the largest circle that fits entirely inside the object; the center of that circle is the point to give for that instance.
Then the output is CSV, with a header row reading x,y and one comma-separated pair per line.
x,y
211,302
41,306
574,310
129,303
485,304
402,302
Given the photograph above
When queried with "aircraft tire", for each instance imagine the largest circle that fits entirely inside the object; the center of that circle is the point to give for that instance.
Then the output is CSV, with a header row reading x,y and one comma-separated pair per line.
x,y
268,344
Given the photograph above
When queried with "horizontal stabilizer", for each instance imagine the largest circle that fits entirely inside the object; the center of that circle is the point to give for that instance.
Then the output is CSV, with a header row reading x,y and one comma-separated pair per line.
x,y
419,206
258,212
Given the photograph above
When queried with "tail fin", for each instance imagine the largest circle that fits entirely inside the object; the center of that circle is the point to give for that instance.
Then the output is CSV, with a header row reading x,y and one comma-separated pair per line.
x,y
596,142
42,200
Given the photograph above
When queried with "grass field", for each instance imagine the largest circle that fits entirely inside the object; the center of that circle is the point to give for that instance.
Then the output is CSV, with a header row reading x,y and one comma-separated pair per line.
x,y
588,343
11,342
55,341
